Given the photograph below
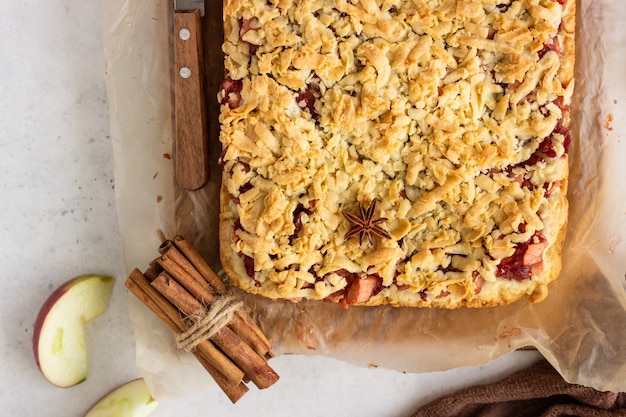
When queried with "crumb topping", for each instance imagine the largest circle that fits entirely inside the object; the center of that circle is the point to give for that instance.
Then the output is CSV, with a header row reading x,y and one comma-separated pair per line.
x,y
452,115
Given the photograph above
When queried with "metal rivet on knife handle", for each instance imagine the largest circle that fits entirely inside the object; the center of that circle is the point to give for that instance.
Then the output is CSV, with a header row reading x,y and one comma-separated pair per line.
x,y
185,72
184,34
191,142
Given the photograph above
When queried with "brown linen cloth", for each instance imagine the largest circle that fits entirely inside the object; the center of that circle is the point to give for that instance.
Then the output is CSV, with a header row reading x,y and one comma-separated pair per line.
x,y
537,391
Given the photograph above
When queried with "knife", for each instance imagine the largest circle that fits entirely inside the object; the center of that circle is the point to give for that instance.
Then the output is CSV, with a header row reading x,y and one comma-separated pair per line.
x,y
190,115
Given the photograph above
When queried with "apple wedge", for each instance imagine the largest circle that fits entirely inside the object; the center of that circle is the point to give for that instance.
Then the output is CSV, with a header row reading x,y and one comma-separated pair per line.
x,y
133,399
59,331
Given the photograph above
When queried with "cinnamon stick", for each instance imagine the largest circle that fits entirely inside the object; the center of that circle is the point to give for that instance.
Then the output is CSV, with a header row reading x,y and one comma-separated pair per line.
x,y
253,365
248,330
234,392
178,296
200,290
194,257
170,253
139,285
135,287
223,337
180,250
171,260
153,270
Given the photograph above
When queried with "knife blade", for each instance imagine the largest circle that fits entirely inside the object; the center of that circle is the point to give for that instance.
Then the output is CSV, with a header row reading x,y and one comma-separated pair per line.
x,y
190,115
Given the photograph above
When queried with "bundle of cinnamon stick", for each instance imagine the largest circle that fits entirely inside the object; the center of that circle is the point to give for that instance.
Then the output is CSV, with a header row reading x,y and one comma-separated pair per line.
x,y
184,292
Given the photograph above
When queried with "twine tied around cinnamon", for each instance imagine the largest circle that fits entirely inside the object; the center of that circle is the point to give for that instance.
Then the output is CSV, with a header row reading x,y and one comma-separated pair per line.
x,y
218,315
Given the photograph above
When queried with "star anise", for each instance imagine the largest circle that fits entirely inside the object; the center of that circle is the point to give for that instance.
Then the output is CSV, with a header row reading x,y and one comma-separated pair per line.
x,y
365,225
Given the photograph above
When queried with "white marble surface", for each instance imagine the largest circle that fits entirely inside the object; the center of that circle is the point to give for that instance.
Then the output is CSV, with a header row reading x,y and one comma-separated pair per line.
x,y
59,220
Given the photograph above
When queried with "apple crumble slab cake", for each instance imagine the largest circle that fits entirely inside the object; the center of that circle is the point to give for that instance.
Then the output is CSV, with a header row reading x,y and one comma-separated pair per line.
x,y
403,152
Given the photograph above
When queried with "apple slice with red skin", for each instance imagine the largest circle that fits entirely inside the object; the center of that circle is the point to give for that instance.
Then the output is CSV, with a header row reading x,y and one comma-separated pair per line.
x,y
132,399
59,331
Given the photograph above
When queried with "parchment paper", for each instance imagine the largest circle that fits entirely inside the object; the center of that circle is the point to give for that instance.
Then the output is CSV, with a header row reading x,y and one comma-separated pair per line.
x,y
580,328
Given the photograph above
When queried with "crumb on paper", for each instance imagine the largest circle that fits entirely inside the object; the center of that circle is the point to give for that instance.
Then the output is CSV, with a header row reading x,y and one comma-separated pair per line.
x,y
508,332
608,122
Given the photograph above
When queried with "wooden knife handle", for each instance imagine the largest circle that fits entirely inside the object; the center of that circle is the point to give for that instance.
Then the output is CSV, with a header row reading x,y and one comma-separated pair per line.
x,y
191,152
